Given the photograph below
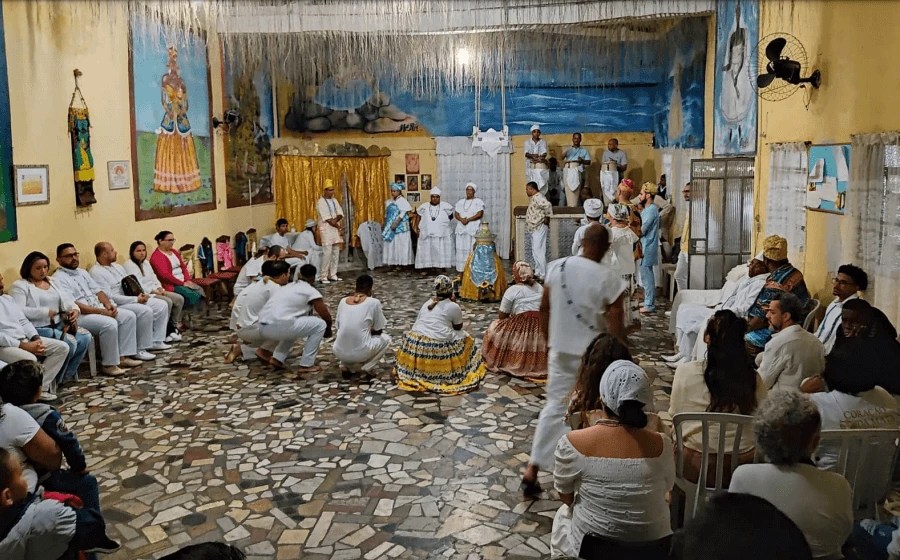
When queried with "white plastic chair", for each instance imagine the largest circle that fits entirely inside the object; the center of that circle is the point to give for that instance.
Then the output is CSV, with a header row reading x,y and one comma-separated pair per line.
x,y
696,493
867,459
809,321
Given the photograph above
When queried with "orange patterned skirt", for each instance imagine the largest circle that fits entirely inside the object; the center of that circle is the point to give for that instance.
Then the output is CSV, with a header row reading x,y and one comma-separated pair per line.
x,y
517,346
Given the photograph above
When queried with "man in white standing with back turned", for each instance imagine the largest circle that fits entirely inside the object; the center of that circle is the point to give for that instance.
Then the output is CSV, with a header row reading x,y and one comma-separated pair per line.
x,y
537,225
536,168
681,268
576,159
331,233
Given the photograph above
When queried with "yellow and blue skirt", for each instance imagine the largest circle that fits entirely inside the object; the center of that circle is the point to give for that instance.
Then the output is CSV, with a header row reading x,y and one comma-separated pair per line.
x,y
449,368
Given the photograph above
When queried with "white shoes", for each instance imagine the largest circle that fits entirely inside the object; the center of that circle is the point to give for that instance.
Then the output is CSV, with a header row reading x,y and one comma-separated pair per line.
x,y
668,313
160,347
325,281
144,356
673,358
675,364
335,279
174,337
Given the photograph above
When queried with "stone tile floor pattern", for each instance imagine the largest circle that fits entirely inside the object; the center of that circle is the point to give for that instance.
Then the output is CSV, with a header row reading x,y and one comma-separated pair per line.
x,y
190,449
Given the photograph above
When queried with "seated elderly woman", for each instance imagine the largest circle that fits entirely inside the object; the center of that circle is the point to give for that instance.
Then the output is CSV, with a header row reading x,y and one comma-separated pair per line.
x,y
515,342
436,354
724,382
613,477
787,427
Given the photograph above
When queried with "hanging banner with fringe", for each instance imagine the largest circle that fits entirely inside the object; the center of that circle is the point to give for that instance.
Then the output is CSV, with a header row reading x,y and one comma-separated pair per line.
x,y
82,159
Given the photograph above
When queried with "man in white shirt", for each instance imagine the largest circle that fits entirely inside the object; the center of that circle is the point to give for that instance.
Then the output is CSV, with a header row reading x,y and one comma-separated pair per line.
x,y
251,271
435,249
792,354
152,313
280,238
537,225
582,298
115,328
612,153
331,232
305,242
848,281
575,159
360,342
468,213
288,316
536,168
245,313
593,211
20,341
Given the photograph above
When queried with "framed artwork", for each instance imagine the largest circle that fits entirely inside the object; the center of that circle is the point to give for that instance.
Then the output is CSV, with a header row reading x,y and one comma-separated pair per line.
x,y
399,178
735,101
412,163
171,143
32,184
412,183
412,197
119,173
829,178
425,182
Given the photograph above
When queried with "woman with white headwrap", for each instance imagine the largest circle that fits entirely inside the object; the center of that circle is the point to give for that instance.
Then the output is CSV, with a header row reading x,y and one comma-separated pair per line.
x,y
437,355
396,233
514,343
621,251
435,248
468,213
593,213
613,477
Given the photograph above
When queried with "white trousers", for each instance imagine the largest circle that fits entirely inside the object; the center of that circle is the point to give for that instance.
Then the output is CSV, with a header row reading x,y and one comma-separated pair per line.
x,y
562,372
464,242
118,337
681,271
252,340
539,250
55,353
382,341
541,176
150,320
288,332
330,256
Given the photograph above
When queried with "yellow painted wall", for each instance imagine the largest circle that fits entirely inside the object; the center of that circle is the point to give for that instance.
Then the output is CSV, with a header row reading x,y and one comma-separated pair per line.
x,y
42,49
853,43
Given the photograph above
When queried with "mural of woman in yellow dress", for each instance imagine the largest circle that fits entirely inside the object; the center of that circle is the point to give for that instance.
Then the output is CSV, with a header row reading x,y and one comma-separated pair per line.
x,y
176,169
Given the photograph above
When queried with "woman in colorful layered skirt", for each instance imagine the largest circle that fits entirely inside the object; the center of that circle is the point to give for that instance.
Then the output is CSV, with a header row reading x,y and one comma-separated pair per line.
x,y
514,343
176,169
436,354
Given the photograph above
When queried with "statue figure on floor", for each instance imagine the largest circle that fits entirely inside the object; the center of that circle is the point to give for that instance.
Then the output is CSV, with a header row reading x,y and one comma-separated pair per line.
x,y
483,278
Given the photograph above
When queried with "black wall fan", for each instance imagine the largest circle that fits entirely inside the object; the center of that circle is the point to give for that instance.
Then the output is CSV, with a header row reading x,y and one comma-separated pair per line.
x,y
782,66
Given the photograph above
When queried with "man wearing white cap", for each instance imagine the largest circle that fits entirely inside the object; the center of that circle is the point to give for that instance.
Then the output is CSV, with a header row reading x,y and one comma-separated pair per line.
x,y
593,210
435,248
396,233
331,232
305,242
536,168
468,213
575,160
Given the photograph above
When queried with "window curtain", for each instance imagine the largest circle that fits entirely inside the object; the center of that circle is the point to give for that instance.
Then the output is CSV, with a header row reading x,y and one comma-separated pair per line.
x,y
298,184
871,230
786,197
459,163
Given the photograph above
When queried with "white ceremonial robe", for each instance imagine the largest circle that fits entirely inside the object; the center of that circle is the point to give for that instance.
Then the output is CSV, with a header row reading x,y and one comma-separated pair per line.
x,y
465,233
398,251
435,248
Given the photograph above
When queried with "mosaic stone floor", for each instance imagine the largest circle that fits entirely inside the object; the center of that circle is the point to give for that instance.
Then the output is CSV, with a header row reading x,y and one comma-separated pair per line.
x,y
287,466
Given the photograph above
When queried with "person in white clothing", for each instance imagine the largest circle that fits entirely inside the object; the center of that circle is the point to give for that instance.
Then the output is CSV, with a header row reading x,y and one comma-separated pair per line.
x,y
20,341
681,267
537,225
583,298
252,270
245,313
151,312
305,242
593,211
468,213
115,328
613,154
360,342
536,168
435,248
280,238
288,316
787,426
138,266
846,284
331,232
575,159
396,232
792,354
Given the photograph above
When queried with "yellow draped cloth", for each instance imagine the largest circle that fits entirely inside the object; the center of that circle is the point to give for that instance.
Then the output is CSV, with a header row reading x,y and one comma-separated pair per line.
x,y
298,185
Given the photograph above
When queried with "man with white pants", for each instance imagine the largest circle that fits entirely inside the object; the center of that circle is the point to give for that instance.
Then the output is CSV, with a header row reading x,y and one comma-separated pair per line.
x,y
681,268
115,328
582,299
20,341
537,225
245,313
575,159
331,232
288,316
152,313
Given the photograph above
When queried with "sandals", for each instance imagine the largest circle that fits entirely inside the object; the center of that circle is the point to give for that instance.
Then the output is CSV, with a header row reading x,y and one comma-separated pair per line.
x,y
531,489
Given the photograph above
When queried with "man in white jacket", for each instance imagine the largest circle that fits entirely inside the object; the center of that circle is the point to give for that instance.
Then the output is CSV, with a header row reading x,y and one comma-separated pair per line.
x,y
792,354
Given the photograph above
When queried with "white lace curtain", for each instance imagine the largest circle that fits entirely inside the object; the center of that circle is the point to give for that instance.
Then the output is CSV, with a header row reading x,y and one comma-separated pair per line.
x,y
786,197
458,163
871,230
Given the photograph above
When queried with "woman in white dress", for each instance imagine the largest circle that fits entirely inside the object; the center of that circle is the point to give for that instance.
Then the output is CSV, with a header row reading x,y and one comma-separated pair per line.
x,y
396,234
468,213
138,266
435,248
360,341
613,477
515,343
621,252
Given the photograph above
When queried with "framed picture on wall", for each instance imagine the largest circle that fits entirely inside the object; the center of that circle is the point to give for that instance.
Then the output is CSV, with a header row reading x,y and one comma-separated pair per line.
x,y
412,183
32,184
399,178
119,173
412,163
412,197
425,183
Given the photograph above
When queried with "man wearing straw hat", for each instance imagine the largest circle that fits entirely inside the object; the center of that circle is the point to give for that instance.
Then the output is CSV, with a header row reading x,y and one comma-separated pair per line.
x,y
536,168
576,158
331,232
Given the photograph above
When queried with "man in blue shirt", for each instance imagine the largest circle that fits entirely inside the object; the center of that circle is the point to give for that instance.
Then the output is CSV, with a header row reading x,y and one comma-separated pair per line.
x,y
650,245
